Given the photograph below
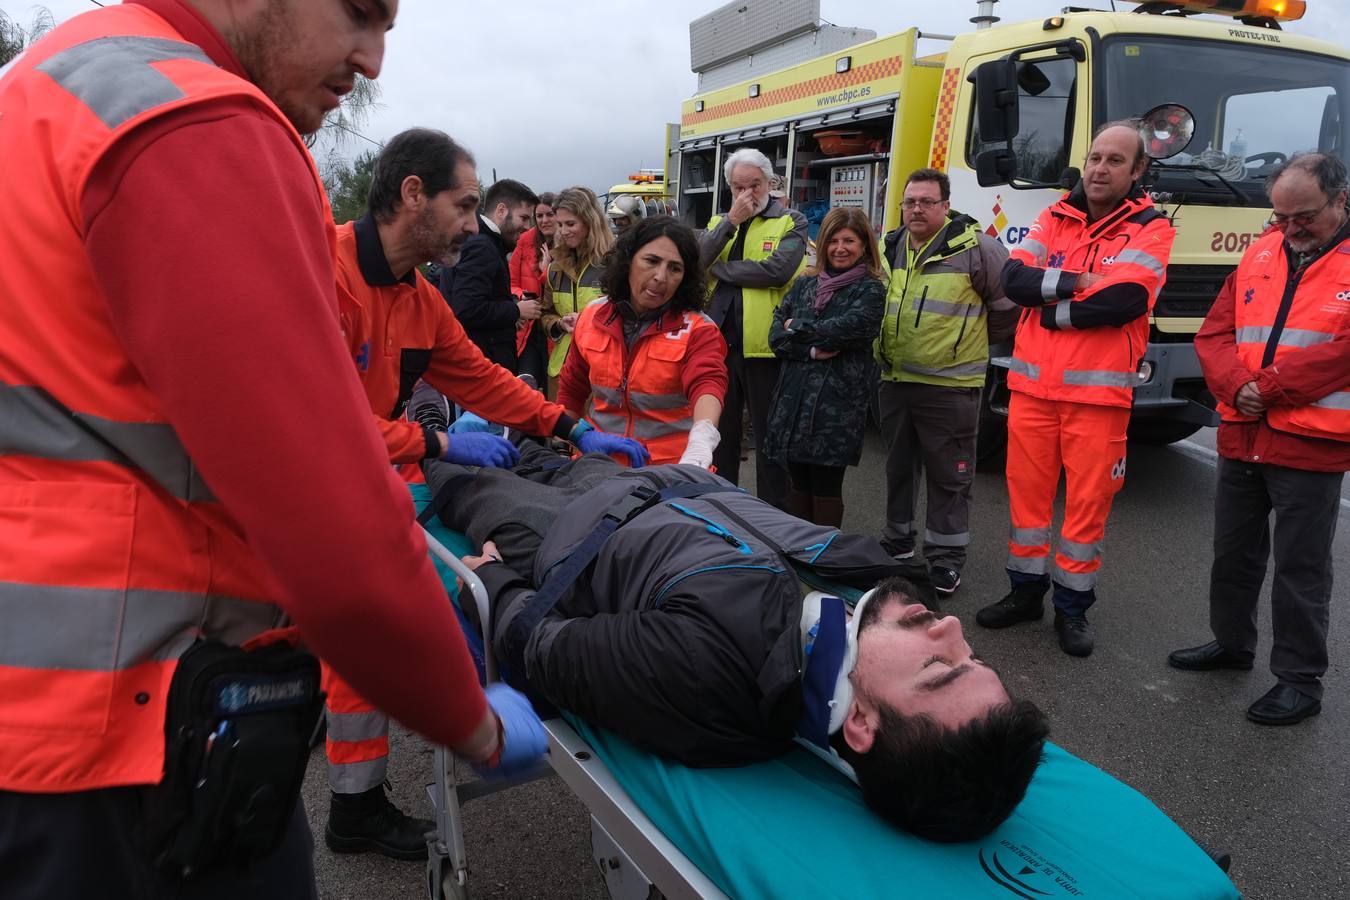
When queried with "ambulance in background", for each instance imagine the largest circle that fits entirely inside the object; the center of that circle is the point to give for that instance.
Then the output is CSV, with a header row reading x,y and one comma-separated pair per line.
x,y
1008,112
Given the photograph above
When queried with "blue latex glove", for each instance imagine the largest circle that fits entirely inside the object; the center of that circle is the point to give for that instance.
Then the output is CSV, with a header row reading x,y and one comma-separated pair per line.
x,y
480,449
599,442
523,739
469,423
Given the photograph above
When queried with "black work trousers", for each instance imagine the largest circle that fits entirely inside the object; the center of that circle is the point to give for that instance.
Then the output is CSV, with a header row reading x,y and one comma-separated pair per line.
x,y
1306,506
750,381
89,844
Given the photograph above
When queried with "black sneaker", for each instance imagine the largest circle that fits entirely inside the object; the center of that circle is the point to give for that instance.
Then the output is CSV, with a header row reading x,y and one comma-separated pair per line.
x,y
1075,634
898,552
945,580
369,821
1023,604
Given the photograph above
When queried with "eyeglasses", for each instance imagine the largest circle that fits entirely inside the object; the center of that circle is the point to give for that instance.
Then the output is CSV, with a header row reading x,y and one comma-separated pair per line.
x,y
1302,220
924,203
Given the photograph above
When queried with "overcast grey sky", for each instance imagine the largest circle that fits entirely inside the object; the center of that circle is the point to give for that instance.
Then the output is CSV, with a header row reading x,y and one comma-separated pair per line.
x,y
557,93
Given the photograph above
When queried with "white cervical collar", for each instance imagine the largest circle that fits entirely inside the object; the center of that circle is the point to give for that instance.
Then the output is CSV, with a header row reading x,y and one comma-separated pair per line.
x,y
843,688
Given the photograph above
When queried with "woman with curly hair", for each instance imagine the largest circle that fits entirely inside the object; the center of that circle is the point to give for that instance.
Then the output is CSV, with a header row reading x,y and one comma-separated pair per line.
x,y
581,238
648,364
823,332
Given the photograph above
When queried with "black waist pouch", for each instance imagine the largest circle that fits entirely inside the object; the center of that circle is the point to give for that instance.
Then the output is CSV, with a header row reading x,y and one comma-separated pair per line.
x,y
238,725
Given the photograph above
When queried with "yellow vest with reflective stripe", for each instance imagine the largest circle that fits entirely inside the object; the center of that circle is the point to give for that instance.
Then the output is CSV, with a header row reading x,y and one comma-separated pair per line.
x,y
570,297
758,304
935,330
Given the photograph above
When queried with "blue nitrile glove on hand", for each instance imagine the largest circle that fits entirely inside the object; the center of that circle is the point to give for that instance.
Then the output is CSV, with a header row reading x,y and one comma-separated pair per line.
x,y
480,449
523,739
470,422
587,439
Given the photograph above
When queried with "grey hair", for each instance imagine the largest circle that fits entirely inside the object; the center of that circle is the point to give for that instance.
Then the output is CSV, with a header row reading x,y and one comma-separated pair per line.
x,y
747,156
1327,170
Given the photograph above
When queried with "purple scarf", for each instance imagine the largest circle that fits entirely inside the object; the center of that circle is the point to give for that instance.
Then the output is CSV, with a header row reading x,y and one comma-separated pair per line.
x,y
827,284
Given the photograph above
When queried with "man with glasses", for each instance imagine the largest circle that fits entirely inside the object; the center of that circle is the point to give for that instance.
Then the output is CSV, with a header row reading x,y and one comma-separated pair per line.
x,y
944,299
1275,349
1088,274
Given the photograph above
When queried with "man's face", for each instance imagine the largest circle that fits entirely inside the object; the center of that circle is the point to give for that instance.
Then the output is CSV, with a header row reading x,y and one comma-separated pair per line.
x,y
1112,165
924,209
1309,217
918,663
750,178
305,54
447,219
513,221
543,219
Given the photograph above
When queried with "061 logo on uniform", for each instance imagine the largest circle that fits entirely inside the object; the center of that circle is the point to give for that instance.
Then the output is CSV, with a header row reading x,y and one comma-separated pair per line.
x,y
1118,470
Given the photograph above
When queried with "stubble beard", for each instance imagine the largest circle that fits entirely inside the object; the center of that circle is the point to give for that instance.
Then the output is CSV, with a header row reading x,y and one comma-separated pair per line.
x,y
263,48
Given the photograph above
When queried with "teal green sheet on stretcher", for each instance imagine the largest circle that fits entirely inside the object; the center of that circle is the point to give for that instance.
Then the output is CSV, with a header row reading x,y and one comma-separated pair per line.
x,y
795,827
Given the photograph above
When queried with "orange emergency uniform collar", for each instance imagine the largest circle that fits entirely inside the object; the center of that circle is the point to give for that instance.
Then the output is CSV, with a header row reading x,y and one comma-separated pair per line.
x,y
1073,205
370,258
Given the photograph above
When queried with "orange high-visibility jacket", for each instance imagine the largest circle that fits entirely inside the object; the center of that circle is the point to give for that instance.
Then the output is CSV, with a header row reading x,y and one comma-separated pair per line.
x,y
1074,348
1279,313
114,555
645,399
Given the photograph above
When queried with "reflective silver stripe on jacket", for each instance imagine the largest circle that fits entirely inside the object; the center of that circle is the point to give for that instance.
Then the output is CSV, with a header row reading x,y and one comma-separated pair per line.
x,y
975,368
646,402
113,76
1020,366
943,307
1289,337
357,777
1076,581
645,429
1079,552
1339,400
1050,284
103,630
357,726
610,423
1143,258
33,423
1036,248
1100,378
1029,537
1062,315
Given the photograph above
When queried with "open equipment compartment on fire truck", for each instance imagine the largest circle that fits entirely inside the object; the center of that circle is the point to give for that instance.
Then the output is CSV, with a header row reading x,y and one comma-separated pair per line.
x,y
847,126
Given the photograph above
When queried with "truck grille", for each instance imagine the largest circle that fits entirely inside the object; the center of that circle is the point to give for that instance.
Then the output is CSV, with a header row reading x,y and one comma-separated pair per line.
x,y
1188,294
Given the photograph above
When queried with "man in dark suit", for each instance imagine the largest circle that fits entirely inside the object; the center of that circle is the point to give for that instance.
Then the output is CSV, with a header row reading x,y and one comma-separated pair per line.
x,y
478,287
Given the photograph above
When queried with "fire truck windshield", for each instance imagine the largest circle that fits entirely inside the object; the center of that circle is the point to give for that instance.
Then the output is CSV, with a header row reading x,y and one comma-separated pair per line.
x,y
1254,106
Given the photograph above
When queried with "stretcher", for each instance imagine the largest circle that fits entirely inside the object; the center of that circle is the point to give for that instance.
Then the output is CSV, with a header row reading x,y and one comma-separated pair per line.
x,y
795,826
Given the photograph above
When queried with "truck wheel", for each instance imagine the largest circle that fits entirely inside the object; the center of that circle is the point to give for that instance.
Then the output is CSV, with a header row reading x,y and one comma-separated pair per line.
x,y
1156,431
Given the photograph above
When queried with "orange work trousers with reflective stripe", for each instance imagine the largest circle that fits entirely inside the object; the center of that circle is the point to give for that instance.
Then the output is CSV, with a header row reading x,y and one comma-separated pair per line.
x,y
1086,442
358,738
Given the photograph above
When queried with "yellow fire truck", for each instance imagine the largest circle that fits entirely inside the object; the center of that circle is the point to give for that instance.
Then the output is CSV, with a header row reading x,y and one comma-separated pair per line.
x,y
847,126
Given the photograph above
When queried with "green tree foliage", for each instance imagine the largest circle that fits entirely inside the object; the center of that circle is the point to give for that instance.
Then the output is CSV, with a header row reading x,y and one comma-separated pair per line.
x,y
348,185
14,37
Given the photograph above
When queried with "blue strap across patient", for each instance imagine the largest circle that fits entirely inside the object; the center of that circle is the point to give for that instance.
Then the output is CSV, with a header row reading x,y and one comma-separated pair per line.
x,y
563,575
822,672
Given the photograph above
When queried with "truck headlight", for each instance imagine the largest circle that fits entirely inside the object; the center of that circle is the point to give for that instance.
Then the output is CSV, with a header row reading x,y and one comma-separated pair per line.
x,y
1145,372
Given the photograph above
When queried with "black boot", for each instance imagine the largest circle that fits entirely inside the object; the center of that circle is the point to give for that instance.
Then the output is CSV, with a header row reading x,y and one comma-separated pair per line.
x,y
1024,603
1075,634
368,821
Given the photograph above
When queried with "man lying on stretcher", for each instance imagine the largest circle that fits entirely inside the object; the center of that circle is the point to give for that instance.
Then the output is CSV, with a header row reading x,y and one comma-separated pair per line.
x,y
689,635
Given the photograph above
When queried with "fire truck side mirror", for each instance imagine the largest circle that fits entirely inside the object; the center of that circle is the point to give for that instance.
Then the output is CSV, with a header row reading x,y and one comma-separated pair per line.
x,y
996,101
997,166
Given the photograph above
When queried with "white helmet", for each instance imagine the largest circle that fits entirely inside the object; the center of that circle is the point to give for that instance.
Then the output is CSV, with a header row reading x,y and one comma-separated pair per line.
x,y
626,205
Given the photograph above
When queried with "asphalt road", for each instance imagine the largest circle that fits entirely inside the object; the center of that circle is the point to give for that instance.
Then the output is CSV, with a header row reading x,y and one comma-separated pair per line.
x,y
1277,799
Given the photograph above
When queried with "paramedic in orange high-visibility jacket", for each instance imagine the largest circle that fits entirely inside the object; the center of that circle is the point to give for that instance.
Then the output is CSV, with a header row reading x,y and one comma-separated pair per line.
x,y
1087,275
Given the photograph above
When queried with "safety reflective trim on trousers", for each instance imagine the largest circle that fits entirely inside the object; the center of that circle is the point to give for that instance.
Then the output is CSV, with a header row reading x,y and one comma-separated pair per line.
x,y
34,423
975,368
104,630
1028,565
1099,378
113,76
1024,368
354,778
1339,400
1289,337
945,540
1075,581
1143,258
1030,537
1078,552
1062,309
359,726
1050,284
1036,248
943,307
649,402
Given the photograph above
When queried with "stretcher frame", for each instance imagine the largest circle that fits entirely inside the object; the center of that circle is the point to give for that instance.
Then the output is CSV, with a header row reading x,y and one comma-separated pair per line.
x,y
635,858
